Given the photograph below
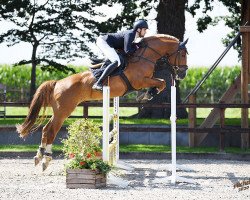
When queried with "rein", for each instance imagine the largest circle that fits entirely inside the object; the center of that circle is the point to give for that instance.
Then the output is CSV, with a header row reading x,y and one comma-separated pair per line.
x,y
165,58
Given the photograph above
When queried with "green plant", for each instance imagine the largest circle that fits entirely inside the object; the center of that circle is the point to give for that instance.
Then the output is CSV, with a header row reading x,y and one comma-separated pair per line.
x,y
17,79
213,88
83,148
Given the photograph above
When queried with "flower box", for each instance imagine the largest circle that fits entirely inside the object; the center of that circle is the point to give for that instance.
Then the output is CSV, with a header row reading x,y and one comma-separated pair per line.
x,y
82,149
85,178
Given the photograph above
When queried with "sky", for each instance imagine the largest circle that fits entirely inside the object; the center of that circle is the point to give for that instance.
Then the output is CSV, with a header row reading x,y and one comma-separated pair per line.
x,y
204,48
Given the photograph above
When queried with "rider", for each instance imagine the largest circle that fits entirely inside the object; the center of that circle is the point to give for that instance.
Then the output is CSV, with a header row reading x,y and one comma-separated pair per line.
x,y
108,44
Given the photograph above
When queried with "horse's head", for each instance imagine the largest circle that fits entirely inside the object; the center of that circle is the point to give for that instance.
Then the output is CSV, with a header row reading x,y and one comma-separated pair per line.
x,y
178,61
172,53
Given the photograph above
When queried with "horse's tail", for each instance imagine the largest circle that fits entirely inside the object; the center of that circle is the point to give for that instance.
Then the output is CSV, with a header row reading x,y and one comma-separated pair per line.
x,y
41,99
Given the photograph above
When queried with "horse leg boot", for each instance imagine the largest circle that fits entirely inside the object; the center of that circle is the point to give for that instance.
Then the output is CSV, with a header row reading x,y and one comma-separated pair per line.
x,y
55,125
47,157
110,68
40,153
41,150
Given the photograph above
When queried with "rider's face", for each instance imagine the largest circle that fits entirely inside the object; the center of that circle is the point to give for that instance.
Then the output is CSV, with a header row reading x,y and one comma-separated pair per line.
x,y
142,32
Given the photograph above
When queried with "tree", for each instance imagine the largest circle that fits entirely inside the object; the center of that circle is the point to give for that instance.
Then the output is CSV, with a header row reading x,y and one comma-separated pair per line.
x,y
57,29
245,12
233,20
171,20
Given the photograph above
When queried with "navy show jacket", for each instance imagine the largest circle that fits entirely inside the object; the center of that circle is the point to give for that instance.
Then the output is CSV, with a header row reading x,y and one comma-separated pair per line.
x,y
122,40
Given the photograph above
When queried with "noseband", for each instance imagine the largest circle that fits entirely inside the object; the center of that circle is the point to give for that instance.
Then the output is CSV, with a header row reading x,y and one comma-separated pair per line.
x,y
165,59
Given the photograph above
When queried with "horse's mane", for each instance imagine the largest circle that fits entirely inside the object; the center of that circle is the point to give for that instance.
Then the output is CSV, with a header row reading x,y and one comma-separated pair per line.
x,y
160,36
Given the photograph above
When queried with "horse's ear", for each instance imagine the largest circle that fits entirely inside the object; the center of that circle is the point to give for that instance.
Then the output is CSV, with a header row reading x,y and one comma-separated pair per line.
x,y
183,44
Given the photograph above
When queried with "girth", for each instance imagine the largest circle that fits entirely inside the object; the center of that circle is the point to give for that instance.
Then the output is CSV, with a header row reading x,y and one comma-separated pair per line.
x,y
130,88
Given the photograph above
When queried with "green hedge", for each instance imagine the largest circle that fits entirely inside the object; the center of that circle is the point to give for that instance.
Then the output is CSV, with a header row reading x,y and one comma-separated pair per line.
x,y
18,78
213,88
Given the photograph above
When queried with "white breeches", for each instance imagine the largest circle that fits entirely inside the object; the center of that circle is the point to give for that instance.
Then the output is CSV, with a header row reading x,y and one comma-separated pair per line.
x,y
108,51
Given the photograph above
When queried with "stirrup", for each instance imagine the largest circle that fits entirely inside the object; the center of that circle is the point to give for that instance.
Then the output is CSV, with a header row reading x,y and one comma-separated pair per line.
x,y
97,87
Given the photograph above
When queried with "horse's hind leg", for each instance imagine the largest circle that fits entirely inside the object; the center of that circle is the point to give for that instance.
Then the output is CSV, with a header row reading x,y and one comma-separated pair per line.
x,y
39,155
49,134
51,129
41,151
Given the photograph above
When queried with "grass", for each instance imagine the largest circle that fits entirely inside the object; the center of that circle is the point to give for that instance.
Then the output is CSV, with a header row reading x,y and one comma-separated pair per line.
x,y
93,111
132,148
179,149
25,148
96,111
228,121
233,116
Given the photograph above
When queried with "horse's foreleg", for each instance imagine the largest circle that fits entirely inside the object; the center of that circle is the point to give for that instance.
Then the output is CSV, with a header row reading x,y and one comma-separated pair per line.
x,y
160,84
156,85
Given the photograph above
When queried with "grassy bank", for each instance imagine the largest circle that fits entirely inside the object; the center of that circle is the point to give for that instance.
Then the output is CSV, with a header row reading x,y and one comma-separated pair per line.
x,y
228,121
131,148
124,111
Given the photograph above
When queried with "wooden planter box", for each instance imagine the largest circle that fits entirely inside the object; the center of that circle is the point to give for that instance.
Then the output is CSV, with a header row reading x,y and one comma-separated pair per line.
x,y
84,178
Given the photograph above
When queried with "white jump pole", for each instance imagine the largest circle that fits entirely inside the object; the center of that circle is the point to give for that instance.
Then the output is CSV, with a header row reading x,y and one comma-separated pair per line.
x,y
110,153
110,150
173,132
174,178
111,156
105,127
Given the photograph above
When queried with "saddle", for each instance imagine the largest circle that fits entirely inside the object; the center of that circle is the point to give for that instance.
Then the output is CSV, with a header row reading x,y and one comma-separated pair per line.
x,y
99,65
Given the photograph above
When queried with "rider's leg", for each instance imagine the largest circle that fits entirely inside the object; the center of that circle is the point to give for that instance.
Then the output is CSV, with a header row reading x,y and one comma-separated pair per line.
x,y
110,54
110,68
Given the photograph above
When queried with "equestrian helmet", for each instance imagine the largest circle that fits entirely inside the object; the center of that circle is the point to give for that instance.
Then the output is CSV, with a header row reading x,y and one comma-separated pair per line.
x,y
141,23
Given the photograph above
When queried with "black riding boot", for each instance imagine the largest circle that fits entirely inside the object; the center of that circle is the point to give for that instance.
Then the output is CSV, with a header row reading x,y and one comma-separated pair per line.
x,y
105,74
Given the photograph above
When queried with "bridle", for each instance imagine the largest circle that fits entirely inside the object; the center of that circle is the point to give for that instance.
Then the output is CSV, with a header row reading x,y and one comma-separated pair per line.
x,y
165,59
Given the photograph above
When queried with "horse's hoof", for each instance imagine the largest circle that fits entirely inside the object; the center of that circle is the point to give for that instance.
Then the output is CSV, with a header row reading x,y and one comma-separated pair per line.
x,y
45,162
39,156
45,166
37,159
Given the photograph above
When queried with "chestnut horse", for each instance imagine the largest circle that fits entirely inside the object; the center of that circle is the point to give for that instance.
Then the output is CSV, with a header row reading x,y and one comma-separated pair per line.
x,y
64,95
